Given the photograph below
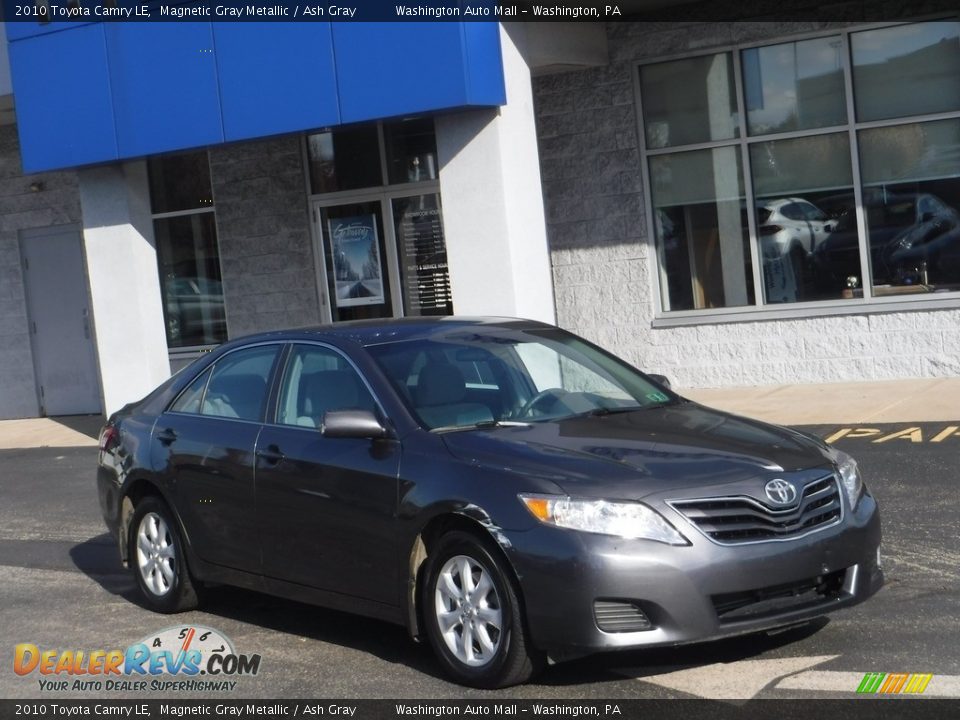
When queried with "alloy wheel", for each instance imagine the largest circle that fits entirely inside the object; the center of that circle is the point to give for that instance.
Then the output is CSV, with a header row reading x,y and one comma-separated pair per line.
x,y
156,554
468,611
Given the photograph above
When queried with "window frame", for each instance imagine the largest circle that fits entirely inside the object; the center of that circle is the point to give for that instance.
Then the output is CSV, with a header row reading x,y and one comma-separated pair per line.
x,y
187,351
761,310
280,375
269,398
385,194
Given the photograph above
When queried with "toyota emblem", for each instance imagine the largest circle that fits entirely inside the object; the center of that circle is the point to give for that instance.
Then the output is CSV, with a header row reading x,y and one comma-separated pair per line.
x,y
780,492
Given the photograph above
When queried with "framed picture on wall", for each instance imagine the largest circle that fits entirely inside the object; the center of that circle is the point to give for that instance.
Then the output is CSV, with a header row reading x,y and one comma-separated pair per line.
x,y
358,272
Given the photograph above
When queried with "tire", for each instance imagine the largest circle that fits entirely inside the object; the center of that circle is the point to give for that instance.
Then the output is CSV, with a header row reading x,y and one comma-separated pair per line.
x,y
493,650
158,560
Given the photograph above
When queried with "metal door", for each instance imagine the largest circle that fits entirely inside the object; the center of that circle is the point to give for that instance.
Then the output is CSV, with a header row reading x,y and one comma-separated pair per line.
x,y
58,309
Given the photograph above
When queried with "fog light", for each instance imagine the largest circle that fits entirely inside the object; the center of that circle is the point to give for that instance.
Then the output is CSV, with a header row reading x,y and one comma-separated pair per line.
x,y
879,562
617,616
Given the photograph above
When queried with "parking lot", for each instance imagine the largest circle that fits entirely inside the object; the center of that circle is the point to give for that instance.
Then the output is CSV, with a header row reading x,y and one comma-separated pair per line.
x,y
61,587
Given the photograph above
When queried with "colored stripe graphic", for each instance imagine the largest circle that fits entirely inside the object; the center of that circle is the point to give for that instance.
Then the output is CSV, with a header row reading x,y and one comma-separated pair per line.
x,y
894,683
870,682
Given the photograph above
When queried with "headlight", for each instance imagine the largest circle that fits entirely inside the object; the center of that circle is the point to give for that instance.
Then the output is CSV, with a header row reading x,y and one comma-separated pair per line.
x,y
628,520
850,478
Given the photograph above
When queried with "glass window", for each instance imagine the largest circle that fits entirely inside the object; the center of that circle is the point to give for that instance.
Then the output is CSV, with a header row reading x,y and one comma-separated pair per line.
x,y
411,150
803,187
356,261
190,284
363,263
180,182
911,179
318,380
187,254
701,229
538,375
238,386
189,400
423,255
906,70
689,101
810,219
794,86
344,159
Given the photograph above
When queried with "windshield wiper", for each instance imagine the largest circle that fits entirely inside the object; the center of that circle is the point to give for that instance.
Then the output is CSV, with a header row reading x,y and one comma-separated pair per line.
x,y
482,425
604,411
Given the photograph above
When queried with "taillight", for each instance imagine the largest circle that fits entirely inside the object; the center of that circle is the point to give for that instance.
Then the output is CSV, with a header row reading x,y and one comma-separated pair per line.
x,y
109,438
770,229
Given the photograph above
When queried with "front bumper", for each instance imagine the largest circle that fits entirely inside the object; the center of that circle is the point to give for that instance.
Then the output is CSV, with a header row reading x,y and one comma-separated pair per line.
x,y
687,592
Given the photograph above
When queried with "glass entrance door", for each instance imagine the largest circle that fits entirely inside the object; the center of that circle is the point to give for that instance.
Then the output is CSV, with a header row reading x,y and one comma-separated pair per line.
x,y
358,261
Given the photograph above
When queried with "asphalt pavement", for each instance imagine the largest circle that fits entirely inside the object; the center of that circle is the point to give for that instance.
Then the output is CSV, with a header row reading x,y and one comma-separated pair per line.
x,y
61,586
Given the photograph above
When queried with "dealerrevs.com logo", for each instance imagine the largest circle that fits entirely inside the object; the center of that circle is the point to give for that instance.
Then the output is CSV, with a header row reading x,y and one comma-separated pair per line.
x,y
191,658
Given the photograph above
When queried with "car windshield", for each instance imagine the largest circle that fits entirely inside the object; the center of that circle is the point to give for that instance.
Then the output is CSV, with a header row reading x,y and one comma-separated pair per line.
x,y
484,377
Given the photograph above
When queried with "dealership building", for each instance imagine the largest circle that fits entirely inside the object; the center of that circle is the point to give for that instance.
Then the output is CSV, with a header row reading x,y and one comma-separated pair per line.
x,y
743,202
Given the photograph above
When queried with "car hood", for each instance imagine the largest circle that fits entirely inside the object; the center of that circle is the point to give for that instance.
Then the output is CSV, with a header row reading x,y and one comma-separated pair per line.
x,y
630,455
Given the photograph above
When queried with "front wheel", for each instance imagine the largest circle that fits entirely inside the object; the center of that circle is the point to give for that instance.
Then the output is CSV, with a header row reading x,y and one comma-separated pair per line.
x,y
473,615
158,560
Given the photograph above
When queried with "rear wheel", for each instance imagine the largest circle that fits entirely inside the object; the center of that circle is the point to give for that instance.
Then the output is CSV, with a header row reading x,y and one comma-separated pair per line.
x,y
157,558
473,615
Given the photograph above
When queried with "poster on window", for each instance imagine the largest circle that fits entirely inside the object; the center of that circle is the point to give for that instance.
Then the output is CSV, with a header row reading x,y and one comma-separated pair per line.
x,y
356,260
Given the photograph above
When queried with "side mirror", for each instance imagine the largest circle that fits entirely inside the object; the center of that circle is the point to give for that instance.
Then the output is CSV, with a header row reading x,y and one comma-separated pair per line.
x,y
662,379
352,424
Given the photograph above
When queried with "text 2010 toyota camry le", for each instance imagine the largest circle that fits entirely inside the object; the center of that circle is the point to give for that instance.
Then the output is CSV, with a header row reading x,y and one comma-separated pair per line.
x,y
501,487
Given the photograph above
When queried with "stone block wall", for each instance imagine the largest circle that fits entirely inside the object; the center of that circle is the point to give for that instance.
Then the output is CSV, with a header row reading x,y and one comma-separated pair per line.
x,y
266,255
587,127
21,208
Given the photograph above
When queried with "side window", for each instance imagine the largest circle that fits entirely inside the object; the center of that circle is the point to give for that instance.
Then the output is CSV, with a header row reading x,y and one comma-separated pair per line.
x,y
792,211
189,400
812,212
238,386
318,380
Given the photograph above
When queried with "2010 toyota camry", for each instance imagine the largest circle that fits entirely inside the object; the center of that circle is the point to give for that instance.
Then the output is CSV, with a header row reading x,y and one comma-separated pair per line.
x,y
503,488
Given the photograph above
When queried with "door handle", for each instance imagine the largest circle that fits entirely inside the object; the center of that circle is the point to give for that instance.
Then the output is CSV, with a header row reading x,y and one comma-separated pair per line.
x,y
166,436
271,454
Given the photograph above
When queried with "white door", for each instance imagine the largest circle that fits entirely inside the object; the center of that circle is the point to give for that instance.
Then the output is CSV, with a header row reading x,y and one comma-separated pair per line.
x,y
58,309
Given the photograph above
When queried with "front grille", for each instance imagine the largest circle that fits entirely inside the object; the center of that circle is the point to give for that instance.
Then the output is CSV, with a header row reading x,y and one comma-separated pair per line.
x,y
619,616
734,520
777,599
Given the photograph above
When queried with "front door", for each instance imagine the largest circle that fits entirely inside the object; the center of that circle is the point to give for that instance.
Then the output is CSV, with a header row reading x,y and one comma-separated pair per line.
x,y
326,506
58,309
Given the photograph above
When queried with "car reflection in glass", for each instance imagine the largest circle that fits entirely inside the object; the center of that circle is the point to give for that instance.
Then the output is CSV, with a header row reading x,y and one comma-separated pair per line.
x,y
505,490
914,239
195,311
790,229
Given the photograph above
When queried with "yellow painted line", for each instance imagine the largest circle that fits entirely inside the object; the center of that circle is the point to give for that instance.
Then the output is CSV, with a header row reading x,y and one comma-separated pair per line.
x,y
914,434
945,433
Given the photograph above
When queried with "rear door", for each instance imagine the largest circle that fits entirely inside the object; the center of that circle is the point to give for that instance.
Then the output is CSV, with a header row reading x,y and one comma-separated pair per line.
x,y
205,442
326,506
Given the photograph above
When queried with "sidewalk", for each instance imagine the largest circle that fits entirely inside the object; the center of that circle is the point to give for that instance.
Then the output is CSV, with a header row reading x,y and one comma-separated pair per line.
x,y
72,431
888,401
893,401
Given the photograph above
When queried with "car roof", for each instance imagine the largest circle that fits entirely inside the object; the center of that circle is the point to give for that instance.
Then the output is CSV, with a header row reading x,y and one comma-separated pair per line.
x,y
375,332
772,204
